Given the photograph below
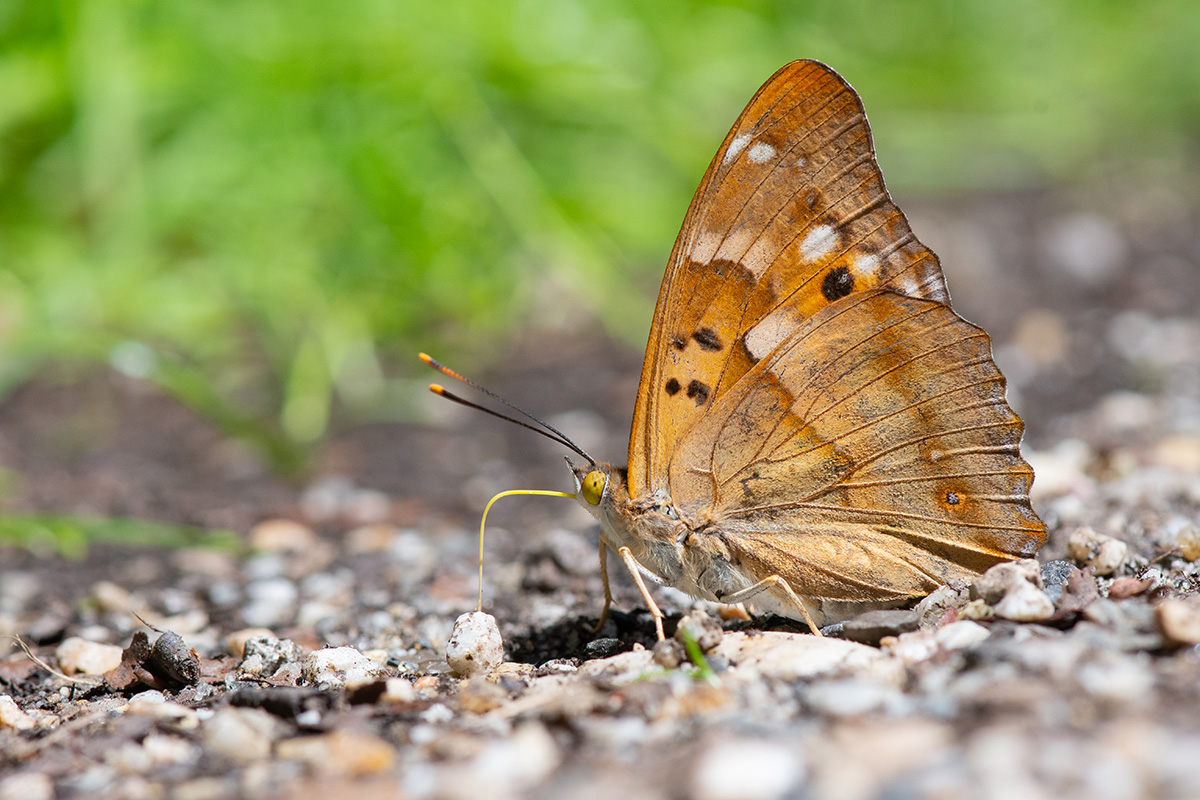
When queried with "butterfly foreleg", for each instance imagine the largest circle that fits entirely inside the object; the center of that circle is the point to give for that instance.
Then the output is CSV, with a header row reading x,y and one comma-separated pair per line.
x,y
634,568
774,582
607,590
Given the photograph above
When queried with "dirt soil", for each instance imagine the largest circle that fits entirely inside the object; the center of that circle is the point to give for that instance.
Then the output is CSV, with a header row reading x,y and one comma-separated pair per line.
x,y
1093,311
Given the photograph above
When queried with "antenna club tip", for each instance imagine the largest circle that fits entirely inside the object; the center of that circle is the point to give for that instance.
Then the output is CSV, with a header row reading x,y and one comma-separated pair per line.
x,y
437,388
425,358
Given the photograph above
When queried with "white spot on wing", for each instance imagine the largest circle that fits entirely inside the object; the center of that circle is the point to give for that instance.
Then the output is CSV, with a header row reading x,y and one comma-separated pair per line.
x,y
801,162
907,284
760,152
759,257
768,333
735,245
866,266
819,241
736,146
706,247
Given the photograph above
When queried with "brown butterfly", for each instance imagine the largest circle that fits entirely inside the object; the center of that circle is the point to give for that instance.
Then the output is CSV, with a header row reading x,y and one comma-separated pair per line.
x,y
816,430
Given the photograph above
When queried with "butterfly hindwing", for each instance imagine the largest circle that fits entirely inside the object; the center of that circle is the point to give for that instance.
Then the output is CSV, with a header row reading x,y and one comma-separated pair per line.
x,y
791,216
872,452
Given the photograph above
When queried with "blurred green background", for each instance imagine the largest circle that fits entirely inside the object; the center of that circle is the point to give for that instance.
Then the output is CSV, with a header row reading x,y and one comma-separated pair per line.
x,y
267,207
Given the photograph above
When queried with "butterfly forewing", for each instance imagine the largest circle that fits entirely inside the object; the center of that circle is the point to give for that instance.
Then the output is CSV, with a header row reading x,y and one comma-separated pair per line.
x,y
870,456
791,216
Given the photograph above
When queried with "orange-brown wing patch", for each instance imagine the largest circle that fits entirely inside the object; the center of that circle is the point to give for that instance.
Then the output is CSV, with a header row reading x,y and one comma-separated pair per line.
x,y
791,216
870,453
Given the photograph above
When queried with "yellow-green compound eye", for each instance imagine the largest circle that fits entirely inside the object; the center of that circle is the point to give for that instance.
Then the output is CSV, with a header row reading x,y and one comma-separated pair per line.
x,y
593,486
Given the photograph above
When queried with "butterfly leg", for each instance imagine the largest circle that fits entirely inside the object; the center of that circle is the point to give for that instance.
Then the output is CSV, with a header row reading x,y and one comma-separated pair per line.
x,y
631,564
607,590
774,582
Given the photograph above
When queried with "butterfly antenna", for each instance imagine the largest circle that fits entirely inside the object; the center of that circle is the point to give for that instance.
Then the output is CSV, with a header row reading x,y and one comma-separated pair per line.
x,y
550,432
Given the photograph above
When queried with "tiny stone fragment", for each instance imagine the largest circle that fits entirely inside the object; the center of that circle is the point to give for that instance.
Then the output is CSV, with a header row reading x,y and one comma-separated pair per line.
x,y
264,655
1102,553
1025,603
1179,621
1055,575
475,646
240,735
954,595
479,696
26,786
235,643
993,585
341,666
341,752
12,716
602,648
872,626
668,653
1188,542
79,656
697,625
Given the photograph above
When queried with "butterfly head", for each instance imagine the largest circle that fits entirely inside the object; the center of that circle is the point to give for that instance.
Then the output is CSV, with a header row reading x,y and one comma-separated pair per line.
x,y
597,485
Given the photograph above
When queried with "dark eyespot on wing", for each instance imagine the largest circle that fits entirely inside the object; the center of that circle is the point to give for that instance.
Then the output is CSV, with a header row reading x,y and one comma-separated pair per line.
x,y
707,339
672,387
698,392
678,342
951,499
837,284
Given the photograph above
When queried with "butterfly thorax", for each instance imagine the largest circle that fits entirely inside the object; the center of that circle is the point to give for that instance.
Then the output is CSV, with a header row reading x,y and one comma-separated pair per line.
x,y
676,548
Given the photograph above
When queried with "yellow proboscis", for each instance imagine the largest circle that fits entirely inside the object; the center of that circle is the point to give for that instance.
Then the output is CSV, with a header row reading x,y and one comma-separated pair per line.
x,y
483,520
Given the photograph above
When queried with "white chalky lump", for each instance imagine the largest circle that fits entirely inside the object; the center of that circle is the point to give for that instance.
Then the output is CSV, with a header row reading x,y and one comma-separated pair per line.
x,y
475,646
341,666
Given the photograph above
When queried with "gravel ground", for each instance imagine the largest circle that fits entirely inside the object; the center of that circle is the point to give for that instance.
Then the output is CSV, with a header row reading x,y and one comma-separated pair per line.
x,y
316,659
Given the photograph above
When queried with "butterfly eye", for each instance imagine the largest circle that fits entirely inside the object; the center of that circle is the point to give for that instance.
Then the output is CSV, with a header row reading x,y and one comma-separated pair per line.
x,y
593,486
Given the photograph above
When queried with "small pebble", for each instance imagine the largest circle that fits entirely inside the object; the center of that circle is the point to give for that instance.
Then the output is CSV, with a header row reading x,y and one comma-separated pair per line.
x,y
602,648
235,643
993,585
475,645
1188,542
341,666
668,653
80,657
1025,603
282,534
953,595
1054,578
340,752
264,655
701,628
872,626
1102,553
240,735
746,769
1179,621
26,786
11,715
398,690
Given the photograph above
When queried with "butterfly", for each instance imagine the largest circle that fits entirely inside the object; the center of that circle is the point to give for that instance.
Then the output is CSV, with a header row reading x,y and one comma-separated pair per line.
x,y
816,430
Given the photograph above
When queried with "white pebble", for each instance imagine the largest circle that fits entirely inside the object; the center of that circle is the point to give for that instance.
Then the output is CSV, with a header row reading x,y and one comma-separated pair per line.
x,y
475,645
11,715
76,655
747,770
27,786
341,666
1102,553
1025,603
